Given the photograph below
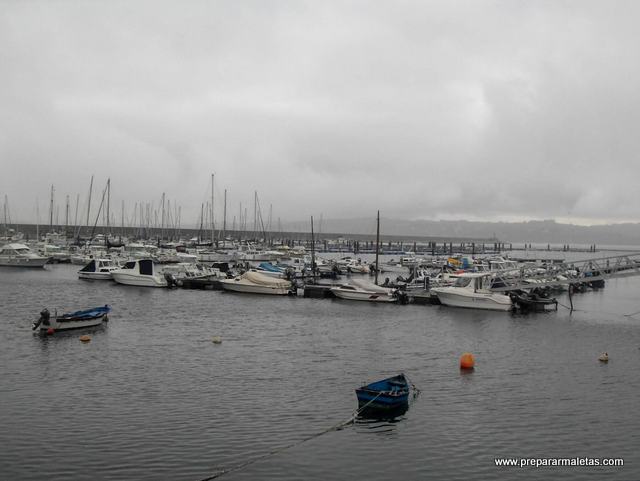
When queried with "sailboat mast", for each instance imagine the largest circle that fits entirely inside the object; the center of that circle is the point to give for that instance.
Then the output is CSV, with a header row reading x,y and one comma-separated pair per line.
x,y
255,214
89,204
51,211
162,221
313,252
201,221
6,229
122,218
37,220
377,245
66,218
108,204
224,219
212,226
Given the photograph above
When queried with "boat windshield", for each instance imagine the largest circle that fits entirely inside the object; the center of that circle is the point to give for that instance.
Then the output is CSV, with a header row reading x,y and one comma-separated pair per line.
x,y
129,265
462,282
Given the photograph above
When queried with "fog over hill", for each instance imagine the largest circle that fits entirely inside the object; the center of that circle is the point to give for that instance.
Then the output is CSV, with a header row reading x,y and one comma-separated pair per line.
x,y
530,231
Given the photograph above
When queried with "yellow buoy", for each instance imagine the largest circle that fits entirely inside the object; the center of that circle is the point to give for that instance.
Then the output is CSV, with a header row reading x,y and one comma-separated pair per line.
x,y
604,357
467,361
85,338
216,340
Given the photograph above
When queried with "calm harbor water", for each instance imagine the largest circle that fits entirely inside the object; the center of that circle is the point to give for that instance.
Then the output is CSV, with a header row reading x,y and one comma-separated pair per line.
x,y
152,398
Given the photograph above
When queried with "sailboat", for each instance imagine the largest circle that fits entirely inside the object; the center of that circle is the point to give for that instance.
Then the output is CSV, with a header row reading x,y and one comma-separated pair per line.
x,y
362,290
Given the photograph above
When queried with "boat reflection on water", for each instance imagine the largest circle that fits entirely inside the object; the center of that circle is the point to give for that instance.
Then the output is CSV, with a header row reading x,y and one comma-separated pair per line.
x,y
376,414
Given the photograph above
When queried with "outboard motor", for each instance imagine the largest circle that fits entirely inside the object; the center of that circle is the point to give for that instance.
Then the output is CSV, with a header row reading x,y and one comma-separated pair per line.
x,y
171,280
402,296
44,319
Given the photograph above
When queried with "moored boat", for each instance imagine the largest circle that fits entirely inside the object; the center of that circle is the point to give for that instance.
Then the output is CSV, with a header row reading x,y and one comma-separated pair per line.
x,y
19,255
388,394
361,290
141,272
534,301
470,291
74,320
256,283
98,269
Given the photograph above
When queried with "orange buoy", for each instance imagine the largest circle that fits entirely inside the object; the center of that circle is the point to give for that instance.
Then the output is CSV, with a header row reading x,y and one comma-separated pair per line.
x,y
467,361
51,330
85,338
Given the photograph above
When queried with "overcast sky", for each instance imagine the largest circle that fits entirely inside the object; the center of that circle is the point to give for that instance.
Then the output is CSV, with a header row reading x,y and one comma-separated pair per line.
x,y
481,110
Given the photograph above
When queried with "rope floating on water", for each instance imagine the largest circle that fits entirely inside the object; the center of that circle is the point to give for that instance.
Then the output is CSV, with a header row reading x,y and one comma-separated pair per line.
x,y
335,427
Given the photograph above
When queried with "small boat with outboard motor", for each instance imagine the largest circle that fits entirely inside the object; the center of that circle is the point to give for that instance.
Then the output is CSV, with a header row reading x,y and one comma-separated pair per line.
x,y
73,320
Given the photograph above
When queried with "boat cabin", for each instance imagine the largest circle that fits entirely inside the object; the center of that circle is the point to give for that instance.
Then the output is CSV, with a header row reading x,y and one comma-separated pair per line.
x,y
144,267
98,265
15,250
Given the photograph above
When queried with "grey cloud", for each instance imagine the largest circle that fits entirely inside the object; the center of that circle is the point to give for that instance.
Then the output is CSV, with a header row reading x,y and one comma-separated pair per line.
x,y
484,110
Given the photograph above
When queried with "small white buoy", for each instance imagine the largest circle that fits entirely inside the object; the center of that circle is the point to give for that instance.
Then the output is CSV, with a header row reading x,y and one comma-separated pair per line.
x,y
216,340
604,357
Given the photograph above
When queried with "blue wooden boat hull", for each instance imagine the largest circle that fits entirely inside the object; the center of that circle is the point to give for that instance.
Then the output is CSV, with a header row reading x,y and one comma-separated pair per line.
x,y
388,394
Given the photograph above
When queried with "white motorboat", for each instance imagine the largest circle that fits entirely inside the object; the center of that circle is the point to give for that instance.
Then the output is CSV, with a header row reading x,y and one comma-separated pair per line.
x,y
357,267
186,270
141,272
19,255
471,290
256,283
98,269
362,290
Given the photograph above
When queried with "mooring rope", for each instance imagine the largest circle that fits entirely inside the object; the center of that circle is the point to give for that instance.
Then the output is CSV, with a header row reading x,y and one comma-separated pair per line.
x,y
335,427
615,314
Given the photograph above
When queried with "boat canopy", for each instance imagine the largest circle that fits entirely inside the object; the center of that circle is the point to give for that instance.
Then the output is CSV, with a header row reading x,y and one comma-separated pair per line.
x,y
369,286
264,280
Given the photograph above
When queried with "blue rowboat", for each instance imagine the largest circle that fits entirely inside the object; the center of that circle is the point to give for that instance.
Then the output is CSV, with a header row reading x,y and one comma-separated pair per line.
x,y
387,394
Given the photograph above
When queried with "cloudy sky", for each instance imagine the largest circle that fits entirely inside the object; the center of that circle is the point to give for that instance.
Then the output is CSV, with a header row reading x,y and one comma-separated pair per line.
x,y
483,110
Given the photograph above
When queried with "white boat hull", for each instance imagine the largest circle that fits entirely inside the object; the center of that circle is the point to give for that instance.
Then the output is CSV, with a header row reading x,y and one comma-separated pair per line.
x,y
239,286
98,276
23,261
139,280
487,301
362,295
68,325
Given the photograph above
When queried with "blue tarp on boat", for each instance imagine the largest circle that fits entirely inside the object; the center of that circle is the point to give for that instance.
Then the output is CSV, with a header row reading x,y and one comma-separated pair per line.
x,y
88,313
266,266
